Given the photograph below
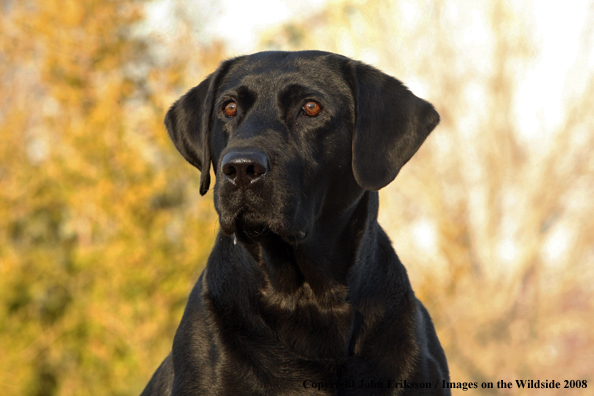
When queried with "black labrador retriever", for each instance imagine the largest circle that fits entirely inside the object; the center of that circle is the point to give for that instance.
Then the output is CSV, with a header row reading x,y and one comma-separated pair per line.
x,y
303,293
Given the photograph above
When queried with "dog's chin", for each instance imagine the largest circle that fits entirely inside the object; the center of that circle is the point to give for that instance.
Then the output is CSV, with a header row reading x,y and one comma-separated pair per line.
x,y
249,229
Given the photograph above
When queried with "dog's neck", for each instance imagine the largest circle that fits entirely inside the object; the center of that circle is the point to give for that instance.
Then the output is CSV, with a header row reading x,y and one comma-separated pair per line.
x,y
320,264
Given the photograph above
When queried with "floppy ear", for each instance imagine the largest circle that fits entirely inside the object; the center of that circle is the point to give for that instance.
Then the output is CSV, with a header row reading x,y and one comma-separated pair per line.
x,y
189,122
390,125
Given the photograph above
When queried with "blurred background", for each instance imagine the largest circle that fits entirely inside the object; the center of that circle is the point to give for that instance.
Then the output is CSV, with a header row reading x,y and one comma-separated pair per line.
x,y
103,231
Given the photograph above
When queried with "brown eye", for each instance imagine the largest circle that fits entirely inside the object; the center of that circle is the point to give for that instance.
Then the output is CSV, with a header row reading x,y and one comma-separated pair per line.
x,y
312,109
231,109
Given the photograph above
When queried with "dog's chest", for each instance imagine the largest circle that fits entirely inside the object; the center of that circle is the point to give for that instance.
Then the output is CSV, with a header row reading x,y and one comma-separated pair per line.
x,y
290,349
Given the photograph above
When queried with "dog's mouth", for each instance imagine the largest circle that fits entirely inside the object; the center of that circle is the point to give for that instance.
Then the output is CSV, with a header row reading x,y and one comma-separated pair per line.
x,y
248,226
252,232
260,214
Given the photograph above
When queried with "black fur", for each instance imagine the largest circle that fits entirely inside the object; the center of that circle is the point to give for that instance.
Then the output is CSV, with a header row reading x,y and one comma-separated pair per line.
x,y
302,286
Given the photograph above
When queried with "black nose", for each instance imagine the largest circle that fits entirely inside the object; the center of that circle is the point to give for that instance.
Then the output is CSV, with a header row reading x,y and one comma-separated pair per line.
x,y
243,168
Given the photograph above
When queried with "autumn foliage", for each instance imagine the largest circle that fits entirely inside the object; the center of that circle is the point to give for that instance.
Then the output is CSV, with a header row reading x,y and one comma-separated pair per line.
x,y
99,241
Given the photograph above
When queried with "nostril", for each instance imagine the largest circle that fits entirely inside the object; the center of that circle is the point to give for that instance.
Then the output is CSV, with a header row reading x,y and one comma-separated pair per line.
x,y
229,171
257,169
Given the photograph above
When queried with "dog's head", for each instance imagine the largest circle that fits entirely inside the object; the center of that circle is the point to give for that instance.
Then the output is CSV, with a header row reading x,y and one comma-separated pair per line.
x,y
295,136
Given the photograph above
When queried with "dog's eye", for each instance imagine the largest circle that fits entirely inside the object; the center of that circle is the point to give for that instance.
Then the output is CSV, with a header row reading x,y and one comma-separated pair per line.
x,y
231,109
311,109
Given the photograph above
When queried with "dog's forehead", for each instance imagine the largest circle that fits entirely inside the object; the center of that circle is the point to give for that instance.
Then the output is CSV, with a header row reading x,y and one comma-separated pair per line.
x,y
276,70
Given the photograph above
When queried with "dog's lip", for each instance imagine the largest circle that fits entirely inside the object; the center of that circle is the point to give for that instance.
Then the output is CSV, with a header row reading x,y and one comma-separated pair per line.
x,y
258,230
288,238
